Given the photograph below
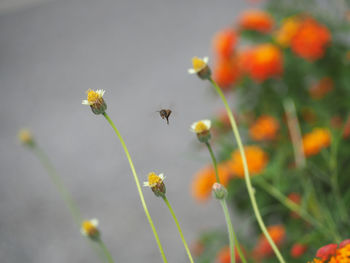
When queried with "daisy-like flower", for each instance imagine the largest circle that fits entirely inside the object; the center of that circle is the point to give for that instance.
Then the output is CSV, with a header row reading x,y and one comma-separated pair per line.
x,y
155,182
25,137
95,101
200,67
89,228
202,129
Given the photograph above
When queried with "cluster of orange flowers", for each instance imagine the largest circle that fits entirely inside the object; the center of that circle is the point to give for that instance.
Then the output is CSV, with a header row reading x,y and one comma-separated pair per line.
x,y
205,178
303,34
332,253
315,141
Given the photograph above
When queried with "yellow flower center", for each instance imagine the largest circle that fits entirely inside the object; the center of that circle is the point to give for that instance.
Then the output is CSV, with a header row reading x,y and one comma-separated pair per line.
x,y
92,96
200,127
89,228
198,64
154,179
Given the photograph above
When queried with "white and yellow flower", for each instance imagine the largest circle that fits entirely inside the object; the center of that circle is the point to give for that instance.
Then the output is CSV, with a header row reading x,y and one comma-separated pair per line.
x,y
201,126
95,101
89,228
198,65
154,179
25,137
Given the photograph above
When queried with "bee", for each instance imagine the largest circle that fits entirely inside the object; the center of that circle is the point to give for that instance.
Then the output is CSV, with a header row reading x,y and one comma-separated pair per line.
x,y
165,113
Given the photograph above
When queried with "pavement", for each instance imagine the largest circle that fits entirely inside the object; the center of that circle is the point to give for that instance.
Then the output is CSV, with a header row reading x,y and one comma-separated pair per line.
x,y
139,52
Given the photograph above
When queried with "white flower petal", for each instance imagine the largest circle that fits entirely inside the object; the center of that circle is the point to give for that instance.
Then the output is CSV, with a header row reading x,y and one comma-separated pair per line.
x,y
207,123
191,71
94,222
85,102
145,184
206,60
193,126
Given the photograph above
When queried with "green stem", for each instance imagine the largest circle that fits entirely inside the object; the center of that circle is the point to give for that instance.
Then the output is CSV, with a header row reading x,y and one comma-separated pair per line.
x,y
55,178
246,174
137,185
105,251
291,205
214,161
231,233
178,228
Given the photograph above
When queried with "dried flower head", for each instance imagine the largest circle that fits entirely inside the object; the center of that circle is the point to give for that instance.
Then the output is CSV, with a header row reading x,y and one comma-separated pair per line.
x,y
89,228
155,182
95,101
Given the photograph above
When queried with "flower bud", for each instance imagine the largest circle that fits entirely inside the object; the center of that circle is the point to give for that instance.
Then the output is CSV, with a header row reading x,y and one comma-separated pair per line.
x,y
219,191
26,137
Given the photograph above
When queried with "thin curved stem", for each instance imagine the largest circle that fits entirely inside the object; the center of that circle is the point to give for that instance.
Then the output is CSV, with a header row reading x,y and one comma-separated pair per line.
x,y
231,233
178,228
246,174
214,161
55,178
137,185
105,251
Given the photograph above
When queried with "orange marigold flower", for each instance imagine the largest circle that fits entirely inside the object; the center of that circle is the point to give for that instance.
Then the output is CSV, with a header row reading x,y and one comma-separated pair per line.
x,y
265,128
224,255
311,40
226,72
256,159
298,250
321,88
332,254
224,42
256,20
262,62
315,141
205,178
287,31
263,248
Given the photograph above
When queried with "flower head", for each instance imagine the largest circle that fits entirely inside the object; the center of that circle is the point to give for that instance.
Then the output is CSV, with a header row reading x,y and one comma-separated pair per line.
x,y
261,62
202,129
224,43
289,28
205,178
265,128
226,72
89,228
298,250
315,141
219,191
333,254
256,160
95,101
155,182
200,67
263,248
26,137
256,20
310,40
224,255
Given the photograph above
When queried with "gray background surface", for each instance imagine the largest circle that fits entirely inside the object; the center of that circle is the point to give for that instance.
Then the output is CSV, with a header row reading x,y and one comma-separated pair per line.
x,y
138,51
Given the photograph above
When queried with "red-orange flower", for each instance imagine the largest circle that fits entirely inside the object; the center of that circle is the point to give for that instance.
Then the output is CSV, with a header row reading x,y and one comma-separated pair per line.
x,y
256,20
289,28
311,40
295,198
315,141
262,62
224,255
256,160
321,88
298,250
224,43
226,72
331,253
346,131
263,248
326,251
264,128
205,178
